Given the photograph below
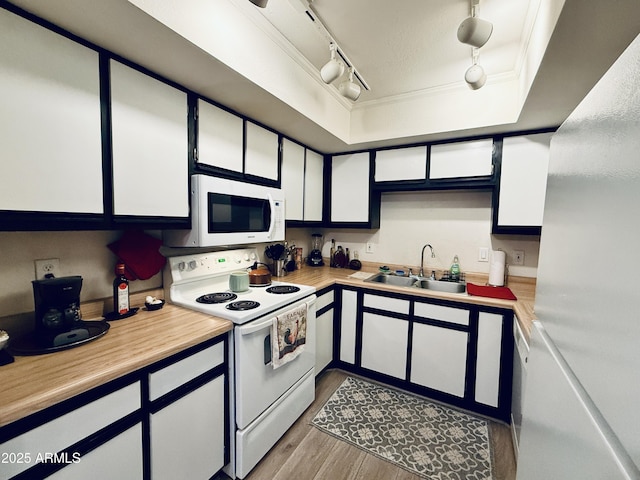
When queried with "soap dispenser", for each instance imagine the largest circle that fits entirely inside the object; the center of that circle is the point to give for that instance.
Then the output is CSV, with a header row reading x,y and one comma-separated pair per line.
x,y
455,269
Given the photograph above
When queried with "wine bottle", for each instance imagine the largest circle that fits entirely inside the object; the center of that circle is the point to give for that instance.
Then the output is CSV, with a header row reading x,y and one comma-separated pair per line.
x,y
120,291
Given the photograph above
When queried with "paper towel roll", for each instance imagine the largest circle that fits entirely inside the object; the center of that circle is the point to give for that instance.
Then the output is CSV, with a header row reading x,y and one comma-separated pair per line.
x,y
496,270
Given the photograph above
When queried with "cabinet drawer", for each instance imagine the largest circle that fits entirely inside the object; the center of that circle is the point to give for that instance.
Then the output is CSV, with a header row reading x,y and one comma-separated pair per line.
x,y
389,304
440,312
72,427
179,373
324,300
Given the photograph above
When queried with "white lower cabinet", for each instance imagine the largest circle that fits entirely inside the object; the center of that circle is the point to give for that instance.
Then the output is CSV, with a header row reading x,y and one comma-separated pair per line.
x,y
120,457
187,436
348,326
384,344
454,352
324,331
439,358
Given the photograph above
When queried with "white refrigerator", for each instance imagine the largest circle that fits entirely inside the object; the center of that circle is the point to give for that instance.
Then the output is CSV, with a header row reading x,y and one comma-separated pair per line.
x,y
581,413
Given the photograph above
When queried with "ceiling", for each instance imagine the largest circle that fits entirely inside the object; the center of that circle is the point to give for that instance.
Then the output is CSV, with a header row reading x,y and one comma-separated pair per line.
x,y
405,47
542,59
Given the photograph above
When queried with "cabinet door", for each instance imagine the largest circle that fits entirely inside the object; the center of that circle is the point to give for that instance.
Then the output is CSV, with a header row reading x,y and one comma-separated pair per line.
x,y
384,344
50,140
523,180
220,137
439,358
120,457
461,160
348,326
293,173
324,340
401,164
261,158
313,186
350,188
70,428
488,360
149,135
187,436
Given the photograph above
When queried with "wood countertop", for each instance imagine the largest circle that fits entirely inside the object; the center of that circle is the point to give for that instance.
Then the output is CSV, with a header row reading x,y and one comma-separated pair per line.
x,y
33,383
522,287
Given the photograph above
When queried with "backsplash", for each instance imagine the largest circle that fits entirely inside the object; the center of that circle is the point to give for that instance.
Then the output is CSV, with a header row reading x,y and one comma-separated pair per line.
x,y
453,222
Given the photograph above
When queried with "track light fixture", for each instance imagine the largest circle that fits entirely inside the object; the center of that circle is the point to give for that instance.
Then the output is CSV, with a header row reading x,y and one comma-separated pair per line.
x,y
475,31
475,76
333,69
349,89
260,3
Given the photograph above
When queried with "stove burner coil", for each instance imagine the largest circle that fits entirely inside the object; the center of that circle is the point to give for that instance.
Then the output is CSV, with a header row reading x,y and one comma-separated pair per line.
x,y
242,305
219,297
283,289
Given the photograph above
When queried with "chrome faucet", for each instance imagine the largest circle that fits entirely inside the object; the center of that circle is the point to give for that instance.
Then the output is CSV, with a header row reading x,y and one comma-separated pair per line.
x,y
433,255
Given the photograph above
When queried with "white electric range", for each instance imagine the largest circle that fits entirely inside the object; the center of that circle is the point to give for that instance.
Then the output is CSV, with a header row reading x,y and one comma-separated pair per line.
x,y
265,401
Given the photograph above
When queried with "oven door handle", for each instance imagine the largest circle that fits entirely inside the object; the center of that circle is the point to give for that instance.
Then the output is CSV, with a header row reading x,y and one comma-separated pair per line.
x,y
254,327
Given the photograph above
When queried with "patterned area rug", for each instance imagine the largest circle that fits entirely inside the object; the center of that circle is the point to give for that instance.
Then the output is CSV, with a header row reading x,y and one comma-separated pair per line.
x,y
425,438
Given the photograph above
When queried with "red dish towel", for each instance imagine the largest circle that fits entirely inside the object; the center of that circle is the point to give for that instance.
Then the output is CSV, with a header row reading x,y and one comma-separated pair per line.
x,y
503,293
139,252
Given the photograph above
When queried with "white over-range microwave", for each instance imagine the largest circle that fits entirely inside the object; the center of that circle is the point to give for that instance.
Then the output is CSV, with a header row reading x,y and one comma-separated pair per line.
x,y
227,212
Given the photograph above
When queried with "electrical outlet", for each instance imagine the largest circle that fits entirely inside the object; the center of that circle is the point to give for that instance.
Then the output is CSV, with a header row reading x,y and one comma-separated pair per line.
x,y
483,254
518,257
47,268
370,247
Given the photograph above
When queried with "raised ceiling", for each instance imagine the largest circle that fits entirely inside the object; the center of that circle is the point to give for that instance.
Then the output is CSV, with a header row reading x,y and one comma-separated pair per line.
x,y
542,59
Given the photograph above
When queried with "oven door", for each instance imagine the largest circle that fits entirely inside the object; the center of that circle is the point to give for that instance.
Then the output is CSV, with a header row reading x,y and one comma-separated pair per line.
x,y
258,384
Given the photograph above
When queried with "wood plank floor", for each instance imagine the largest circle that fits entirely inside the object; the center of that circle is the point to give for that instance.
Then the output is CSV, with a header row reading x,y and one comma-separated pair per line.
x,y
305,453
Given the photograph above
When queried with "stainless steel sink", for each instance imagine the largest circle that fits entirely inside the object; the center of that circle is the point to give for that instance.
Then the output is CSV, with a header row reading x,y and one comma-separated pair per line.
x,y
427,284
442,286
392,280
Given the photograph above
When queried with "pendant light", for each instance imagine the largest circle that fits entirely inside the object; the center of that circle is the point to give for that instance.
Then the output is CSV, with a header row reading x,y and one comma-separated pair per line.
x,y
260,3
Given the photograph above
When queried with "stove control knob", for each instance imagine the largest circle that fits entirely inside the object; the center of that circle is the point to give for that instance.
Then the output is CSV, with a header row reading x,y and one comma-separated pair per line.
x,y
253,256
237,260
182,266
193,265
246,257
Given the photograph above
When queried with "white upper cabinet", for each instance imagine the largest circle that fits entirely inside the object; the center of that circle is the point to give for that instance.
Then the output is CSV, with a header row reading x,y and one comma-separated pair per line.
x,y
313,186
220,137
401,164
293,159
50,140
150,145
461,159
350,187
302,182
523,180
261,157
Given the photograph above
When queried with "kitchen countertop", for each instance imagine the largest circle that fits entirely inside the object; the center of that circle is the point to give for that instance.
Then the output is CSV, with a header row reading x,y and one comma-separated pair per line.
x,y
522,287
33,383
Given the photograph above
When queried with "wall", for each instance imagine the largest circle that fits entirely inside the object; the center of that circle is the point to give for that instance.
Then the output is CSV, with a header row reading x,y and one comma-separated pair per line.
x,y
454,223
82,253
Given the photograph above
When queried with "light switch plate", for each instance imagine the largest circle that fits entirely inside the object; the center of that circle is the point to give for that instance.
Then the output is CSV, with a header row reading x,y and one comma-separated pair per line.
x,y
483,254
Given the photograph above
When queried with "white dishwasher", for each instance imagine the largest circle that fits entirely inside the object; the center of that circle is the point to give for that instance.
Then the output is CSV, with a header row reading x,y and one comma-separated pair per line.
x,y
520,355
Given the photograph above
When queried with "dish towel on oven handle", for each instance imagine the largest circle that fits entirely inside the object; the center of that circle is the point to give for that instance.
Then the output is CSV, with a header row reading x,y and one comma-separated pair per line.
x,y
288,335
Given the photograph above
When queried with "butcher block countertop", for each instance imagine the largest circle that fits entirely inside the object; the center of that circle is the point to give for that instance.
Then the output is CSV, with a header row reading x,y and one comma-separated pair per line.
x,y
522,287
33,383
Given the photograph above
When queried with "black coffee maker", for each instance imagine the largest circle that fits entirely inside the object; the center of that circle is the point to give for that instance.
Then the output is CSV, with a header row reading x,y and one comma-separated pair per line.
x,y
57,302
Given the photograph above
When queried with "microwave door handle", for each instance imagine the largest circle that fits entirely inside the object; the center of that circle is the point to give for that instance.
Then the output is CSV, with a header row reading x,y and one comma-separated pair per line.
x,y
272,224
